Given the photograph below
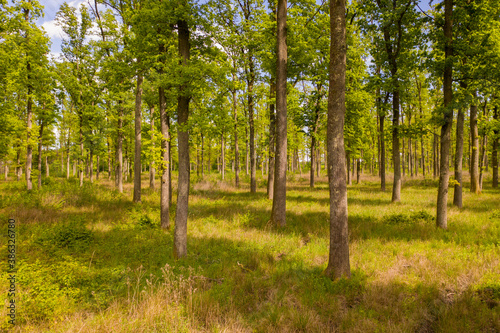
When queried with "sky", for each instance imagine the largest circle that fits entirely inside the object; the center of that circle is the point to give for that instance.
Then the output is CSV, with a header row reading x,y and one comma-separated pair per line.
x,y
56,34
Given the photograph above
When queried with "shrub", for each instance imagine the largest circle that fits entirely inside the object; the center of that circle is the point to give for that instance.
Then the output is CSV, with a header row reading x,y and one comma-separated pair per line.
x,y
72,234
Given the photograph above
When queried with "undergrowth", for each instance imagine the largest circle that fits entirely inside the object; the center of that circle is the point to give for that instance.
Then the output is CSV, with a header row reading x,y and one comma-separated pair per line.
x,y
89,260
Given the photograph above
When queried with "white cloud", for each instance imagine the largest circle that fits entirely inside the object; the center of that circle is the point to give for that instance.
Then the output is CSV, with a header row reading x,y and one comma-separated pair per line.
x,y
53,30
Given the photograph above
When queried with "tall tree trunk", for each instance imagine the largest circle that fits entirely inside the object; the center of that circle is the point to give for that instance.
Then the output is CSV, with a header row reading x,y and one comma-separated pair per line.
x,y
40,134
80,159
236,148
202,156
358,170
222,157
494,153
253,164
441,216
348,163
18,165
47,171
278,214
165,161
338,260
152,162
382,152
272,139
457,193
98,169
474,169
482,160
180,233
91,166
138,126
29,116
119,149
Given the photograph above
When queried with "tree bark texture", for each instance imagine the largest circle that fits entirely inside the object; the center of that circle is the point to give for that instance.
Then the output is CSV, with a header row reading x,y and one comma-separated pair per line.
x,y
338,260
441,215
278,214
180,233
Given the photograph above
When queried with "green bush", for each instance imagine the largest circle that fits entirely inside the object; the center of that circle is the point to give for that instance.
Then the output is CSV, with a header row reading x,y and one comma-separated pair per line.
x,y
397,219
72,234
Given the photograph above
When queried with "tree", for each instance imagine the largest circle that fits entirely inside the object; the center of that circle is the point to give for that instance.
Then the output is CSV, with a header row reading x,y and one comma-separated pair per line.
x,y
338,260
278,214
441,216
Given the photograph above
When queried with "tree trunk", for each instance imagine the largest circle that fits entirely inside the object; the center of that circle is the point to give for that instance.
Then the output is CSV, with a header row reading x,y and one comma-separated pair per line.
x,y
253,164
40,134
441,216
97,168
338,261
482,160
165,161
119,149
236,149
382,153
137,152
202,156
222,157
152,162
180,233
348,163
494,153
457,193
80,159
91,166
272,138
278,214
474,169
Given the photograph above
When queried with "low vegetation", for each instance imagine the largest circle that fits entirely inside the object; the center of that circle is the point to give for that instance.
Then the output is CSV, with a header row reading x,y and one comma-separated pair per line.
x,y
91,261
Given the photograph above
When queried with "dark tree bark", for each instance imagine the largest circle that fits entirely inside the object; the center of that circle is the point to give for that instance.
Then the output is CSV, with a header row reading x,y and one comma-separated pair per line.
x,y
474,168
138,127
494,153
457,193
180,233
441,215
278,214
272,138
338,260
29,116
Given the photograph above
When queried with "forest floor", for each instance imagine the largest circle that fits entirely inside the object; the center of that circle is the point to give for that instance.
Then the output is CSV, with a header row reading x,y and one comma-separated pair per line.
x,y
89,260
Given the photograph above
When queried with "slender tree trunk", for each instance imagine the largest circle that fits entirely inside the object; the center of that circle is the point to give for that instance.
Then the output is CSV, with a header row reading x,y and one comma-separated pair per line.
x,y
202,156
253,164
348,163
272,139
482,160
222,157
152,170
98,169
434,156
474,170
278,214
29,116
40,134
91,166
441,216
494,153
236,149
80,159
457,194
137,153
358,170
180,233
119,149
338,261
165,158
18,165
382,153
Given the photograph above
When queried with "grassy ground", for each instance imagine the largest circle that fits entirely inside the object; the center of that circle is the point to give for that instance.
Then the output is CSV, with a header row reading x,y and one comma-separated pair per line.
x,y
89,260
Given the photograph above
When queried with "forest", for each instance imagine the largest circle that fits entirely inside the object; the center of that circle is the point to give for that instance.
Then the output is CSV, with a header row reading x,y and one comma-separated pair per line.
x,y
250,165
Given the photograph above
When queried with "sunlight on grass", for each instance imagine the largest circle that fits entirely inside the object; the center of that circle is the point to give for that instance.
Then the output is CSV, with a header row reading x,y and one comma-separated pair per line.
x,y
91,261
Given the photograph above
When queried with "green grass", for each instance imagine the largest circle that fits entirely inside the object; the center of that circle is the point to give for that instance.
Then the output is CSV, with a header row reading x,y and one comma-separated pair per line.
x,y
89,260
